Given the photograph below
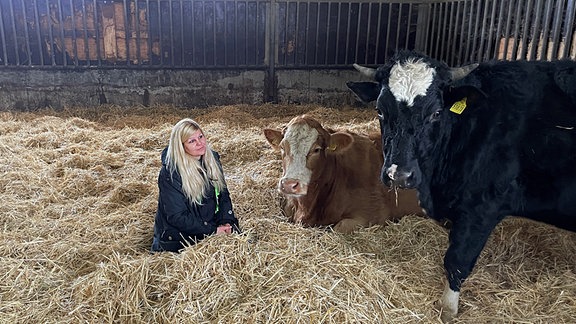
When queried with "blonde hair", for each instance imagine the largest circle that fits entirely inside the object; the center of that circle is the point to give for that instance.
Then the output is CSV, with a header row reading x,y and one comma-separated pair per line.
x,y
195,176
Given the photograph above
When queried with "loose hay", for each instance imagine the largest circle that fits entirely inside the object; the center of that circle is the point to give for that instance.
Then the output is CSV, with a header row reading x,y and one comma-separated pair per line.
x,y
78,201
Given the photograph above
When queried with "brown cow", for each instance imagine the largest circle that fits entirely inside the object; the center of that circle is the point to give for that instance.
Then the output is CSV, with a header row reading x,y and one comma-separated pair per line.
x,y
332,178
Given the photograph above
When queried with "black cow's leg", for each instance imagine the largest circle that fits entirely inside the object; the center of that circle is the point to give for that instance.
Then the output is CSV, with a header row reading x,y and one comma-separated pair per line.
x,y
466,242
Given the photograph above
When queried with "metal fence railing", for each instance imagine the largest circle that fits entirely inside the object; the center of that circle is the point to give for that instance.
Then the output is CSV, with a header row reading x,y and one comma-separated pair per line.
x,y
276,34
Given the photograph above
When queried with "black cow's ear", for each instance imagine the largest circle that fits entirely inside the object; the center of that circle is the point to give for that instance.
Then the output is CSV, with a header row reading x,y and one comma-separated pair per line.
x,y
365,91
454,94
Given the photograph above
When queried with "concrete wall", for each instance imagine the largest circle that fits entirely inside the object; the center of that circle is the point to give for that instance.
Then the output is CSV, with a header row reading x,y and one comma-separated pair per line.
x,y
31,89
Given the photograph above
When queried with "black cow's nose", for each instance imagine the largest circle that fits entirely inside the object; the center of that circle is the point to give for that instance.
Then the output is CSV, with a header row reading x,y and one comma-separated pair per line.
x,y
399,177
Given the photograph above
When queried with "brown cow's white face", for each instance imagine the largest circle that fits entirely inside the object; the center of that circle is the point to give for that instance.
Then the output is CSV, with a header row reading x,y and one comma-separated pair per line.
x,y
298,145
305,146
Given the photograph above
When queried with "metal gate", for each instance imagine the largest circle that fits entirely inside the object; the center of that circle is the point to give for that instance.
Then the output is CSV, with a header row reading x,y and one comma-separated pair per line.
x,y
203,34
273,34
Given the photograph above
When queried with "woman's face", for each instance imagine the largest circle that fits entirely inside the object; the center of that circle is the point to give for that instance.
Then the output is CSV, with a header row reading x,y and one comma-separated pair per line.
x,y
195,145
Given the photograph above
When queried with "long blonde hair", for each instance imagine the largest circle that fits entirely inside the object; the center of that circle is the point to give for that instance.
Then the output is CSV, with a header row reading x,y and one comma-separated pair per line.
x,y
194,176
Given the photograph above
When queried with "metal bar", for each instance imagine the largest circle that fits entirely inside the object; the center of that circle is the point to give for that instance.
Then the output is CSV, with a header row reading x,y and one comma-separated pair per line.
x,y
127,33
272,13
398,26
160,37
212,38
433,50
557,23
408,25
246,32
507,30
498,31
193,33
450,43
267,20
517,20
137,30
225,30
317,32
388,25
535,44
13,19
569,28
475,39
480,55
346,58
546,31
296,29
377,43
428,26
150,48
327,35
85,27
50,35
26,36
526,24
368,24
235,32
97,31
490,32
3,38
338,24
456,60
171,31
446,31
461,59
357,33
74,36
285,34
469,36
307,29
62,41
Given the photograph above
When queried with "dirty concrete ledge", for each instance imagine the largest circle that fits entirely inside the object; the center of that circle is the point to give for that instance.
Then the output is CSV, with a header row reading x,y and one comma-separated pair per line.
x,y
30,89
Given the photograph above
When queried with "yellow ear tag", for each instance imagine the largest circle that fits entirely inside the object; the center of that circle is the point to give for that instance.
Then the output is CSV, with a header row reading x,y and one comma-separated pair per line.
x,y
332,147
459,106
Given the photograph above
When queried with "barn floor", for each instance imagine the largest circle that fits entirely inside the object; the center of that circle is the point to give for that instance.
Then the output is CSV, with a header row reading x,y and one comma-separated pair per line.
x,y
79,193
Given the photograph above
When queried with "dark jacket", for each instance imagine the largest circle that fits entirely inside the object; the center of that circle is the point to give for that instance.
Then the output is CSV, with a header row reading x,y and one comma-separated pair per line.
x,y
179,222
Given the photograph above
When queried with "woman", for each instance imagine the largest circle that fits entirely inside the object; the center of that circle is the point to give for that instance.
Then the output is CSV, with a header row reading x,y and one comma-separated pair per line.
x,y
193,201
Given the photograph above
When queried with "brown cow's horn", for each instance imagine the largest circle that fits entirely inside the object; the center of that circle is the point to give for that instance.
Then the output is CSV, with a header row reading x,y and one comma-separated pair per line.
x,y
461,72
369,72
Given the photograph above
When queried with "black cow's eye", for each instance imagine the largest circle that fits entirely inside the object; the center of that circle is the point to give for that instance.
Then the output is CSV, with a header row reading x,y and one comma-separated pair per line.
x,y
435,115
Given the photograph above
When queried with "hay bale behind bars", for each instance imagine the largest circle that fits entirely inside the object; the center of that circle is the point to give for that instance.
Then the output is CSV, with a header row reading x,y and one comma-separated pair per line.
x,y
79,192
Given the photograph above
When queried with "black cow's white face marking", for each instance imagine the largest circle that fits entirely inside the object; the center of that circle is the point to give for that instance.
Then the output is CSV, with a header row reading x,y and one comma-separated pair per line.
x,y
409,80
400,123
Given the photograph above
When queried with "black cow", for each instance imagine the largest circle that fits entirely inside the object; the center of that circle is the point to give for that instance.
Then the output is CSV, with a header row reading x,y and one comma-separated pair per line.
x,y
478,143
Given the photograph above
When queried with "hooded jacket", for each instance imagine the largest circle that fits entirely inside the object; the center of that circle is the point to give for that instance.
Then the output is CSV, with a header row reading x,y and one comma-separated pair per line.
x,y
179,222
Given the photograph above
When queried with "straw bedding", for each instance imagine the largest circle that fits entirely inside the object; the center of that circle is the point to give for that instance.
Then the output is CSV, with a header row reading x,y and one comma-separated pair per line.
x,y
78,192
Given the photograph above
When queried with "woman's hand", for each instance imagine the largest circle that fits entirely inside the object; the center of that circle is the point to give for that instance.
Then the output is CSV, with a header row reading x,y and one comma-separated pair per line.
x,y
224,229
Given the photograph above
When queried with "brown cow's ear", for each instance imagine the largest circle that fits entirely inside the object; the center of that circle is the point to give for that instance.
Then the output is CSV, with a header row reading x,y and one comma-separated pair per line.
x,y
274,137
339,142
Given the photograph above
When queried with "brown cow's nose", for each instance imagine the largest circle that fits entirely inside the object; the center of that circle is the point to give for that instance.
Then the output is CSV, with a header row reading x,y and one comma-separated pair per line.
x,y
292,187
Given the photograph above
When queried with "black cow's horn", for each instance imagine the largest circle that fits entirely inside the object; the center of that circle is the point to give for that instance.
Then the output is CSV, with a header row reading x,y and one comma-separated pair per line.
x,y
369,72
461,72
